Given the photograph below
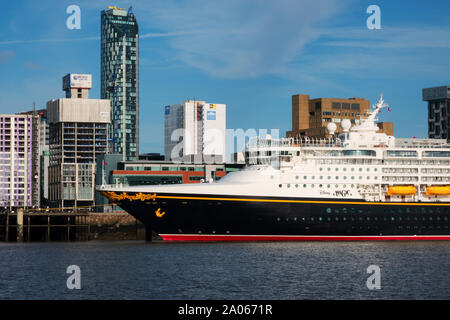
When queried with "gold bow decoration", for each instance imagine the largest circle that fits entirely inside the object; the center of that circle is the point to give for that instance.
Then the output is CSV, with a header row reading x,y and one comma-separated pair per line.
x,y
121,196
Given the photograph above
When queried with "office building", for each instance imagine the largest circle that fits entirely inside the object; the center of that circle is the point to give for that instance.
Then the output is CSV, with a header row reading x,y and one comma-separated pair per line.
x,y
438,99
311,116
120,79
195,131
78,134
19,161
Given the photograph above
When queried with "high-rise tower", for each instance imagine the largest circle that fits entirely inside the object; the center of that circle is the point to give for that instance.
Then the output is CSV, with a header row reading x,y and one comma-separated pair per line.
x,y
120,79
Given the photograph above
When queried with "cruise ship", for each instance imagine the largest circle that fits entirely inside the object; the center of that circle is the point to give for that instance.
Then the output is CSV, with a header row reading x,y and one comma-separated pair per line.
x,y
356,185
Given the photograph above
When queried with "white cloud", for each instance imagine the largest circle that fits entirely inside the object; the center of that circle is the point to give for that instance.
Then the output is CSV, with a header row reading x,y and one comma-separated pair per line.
x,y
235,38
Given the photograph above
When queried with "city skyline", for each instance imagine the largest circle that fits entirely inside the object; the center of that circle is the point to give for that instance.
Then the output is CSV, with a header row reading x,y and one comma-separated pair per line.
x,y
234,55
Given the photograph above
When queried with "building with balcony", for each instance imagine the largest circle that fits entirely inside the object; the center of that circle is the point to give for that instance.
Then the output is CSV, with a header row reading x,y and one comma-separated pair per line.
x,y
19,161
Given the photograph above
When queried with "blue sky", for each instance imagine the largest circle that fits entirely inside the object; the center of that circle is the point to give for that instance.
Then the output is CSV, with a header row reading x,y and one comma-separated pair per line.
x,y
252,55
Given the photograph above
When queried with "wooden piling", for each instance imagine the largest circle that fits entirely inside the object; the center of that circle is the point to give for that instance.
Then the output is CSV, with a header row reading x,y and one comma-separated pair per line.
x,y
20,225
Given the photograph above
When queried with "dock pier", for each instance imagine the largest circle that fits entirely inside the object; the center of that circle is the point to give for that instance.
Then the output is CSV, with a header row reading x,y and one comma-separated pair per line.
x,y
26,226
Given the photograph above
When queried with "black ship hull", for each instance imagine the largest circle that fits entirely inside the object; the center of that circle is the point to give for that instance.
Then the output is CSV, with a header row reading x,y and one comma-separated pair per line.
x,y
196,217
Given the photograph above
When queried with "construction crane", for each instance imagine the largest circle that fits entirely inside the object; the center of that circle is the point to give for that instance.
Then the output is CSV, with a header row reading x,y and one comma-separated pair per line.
x,y
113,82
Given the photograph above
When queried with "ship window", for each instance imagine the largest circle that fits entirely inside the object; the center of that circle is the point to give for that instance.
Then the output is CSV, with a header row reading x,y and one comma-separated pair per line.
x,y
279,185
360,169
320,177
304,177
304,186
345,177
337,169
288,185
353,169
312,177
321,169
360,177
328,186
329,169
345,169
368,177
296,185
329,177
353,177
337,177
296,177
271,177
336,186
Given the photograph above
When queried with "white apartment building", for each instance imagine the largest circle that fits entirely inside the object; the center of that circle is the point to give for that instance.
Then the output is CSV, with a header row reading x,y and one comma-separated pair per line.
x,y
19,161
195,131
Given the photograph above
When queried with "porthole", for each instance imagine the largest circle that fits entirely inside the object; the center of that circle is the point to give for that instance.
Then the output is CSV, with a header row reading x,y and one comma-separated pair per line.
x,y
279,185
337,169
296,185
360,169
288,185
304,186
296,177
328,210
304,177
337,178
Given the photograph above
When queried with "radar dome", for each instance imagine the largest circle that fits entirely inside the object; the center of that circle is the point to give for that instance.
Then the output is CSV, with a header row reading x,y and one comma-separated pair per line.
x,y
345,125
331,128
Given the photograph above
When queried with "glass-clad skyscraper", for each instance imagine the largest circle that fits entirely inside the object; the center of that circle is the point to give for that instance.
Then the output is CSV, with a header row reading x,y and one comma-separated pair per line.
x,y
120,79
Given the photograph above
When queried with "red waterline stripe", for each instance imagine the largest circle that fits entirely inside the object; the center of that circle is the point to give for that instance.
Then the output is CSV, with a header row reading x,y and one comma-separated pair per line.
x,y
211,237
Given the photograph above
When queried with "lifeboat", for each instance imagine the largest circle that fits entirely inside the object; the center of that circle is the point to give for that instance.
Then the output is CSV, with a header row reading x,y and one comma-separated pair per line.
x,y
438,190
401,190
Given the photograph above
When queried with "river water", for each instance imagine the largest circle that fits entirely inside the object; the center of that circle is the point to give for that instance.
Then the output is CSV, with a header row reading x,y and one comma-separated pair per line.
x,y
263,270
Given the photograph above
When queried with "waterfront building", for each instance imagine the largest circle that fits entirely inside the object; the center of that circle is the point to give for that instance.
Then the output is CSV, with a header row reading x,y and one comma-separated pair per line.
x,y
120,79
438,99
19,161
311,116
195,131
78,134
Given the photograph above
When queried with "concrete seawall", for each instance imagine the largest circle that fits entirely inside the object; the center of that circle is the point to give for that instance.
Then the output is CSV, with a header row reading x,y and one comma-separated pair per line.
x,y
115,226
